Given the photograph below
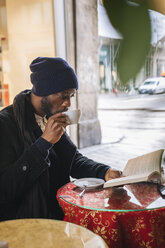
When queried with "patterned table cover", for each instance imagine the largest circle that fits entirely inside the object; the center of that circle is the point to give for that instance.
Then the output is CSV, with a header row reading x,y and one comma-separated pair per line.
x,y
132,216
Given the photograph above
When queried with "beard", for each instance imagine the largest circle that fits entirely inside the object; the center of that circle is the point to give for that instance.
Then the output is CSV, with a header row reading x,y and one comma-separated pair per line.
x,y
46,107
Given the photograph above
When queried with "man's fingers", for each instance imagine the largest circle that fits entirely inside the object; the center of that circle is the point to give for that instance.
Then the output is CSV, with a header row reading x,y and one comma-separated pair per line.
x,y
57,125
62,123
55,129
61,130
61,119
112,173
58,115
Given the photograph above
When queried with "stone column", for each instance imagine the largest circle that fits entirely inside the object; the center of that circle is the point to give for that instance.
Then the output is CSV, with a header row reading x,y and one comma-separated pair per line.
x,y
87,69
70,56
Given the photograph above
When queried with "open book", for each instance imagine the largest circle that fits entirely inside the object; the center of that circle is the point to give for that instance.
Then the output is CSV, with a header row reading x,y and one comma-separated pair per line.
x,y
145,168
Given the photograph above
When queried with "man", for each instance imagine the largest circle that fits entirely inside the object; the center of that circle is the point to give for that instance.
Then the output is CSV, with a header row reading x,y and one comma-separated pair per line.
x,y
37,156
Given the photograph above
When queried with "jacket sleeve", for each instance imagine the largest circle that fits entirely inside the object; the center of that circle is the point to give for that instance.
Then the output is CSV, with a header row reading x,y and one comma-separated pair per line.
x,y
84,167
17,174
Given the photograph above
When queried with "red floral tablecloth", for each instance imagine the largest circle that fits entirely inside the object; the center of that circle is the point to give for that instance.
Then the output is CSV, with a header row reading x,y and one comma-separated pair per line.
x,y
132,216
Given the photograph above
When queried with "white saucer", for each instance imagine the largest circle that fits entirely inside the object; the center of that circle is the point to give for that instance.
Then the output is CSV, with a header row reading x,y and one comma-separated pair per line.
x,y
89,183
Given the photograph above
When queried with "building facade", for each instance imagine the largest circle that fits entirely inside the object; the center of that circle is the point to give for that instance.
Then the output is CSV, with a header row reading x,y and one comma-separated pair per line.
x,y
109,43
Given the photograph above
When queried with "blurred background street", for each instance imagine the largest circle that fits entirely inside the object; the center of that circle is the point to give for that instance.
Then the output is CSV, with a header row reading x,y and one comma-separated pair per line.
x,y
131,126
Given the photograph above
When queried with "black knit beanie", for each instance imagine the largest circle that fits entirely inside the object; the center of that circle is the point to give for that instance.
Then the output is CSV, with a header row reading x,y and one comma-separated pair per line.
x,y
51,75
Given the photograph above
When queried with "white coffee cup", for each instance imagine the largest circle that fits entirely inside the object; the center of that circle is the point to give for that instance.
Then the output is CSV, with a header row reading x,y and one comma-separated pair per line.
x,y
73,116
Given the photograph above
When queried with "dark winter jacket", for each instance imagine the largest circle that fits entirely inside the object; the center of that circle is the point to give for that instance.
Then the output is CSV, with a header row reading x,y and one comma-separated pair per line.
x,y
28,185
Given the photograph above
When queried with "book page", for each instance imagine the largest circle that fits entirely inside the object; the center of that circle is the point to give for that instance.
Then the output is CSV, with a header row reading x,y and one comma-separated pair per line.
x,y
144,164
126,180
153,177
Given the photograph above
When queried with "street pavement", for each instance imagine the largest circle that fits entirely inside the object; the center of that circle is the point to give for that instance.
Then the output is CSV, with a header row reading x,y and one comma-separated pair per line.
x,y
131,126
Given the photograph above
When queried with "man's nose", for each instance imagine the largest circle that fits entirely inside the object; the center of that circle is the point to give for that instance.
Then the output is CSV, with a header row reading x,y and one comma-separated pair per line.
x,y
67,102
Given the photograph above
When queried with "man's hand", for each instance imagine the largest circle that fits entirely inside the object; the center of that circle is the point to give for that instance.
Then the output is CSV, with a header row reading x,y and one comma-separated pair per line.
x,y
55,127
112,173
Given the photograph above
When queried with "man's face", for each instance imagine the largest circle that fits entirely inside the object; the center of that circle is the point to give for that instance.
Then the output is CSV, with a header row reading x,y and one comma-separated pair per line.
x,y
55,103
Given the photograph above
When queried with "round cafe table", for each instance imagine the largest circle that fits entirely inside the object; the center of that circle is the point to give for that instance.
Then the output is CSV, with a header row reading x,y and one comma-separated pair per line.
x,y
132,216
43,233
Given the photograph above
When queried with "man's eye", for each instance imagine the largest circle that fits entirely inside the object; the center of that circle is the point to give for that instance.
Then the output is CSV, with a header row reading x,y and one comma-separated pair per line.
x,y
64,97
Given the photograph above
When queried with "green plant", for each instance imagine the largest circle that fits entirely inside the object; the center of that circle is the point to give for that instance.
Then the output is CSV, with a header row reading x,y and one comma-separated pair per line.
x,y
133,22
